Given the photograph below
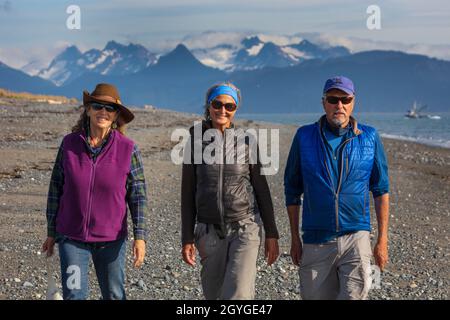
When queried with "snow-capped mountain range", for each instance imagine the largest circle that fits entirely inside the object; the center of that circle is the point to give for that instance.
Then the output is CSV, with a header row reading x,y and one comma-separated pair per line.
x,y
240,52
114,59
259,51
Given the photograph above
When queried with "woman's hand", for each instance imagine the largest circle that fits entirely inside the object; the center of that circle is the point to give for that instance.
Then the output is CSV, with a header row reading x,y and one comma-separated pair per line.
x,y
138,252
296,250
188,252
48,246
271,250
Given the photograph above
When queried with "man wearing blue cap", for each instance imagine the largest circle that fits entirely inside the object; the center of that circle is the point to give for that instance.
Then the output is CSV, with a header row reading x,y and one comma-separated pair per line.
x,y
334,163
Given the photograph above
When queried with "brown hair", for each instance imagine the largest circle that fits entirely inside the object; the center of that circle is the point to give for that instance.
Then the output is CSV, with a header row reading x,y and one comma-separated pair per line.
x,y
84,119
226,83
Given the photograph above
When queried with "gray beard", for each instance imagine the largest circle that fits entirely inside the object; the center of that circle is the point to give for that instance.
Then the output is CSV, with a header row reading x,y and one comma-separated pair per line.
x,y
337,123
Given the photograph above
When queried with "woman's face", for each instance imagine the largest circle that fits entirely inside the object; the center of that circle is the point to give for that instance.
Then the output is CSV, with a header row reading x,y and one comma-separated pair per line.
x,y
222,117
101,119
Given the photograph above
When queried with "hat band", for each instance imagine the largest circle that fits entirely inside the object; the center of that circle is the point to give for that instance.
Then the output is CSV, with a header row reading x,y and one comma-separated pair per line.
x,y
107,98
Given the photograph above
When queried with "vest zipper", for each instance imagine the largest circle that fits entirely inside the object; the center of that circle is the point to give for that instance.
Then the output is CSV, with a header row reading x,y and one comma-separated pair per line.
x,y
91,191
346,166
336,193
340,182
365,195
336,202
94,160
222,218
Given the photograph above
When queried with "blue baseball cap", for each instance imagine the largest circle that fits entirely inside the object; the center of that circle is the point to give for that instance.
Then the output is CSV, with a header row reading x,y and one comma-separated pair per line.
x,y
341,83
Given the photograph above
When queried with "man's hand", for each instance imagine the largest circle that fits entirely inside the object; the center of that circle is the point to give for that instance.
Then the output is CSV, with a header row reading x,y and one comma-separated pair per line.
x,y
296,250
296,244
271,250
48,246
380,253
138,252
188,252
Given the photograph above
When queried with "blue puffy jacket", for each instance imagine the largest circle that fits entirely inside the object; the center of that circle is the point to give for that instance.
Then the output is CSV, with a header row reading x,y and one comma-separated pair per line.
x,y
336,208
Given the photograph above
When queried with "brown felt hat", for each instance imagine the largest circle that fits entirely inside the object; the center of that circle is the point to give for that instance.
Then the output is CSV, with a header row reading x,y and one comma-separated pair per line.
x,y
108,94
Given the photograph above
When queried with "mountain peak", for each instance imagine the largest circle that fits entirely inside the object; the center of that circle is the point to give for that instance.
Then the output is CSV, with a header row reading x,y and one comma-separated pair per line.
x,y
69,53
306,45
179,59
111,45
181,52
305,42
270,46
181,49
251,41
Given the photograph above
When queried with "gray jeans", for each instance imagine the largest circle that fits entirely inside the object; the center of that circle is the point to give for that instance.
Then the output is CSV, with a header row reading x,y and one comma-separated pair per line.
x,y
229,264
339,269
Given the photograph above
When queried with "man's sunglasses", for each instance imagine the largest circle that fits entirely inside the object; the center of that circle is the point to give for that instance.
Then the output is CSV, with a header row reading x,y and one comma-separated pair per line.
x,y
216,104
335,100
99,106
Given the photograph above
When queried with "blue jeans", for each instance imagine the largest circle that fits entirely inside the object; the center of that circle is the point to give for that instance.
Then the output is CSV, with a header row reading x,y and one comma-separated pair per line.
x,y
109,263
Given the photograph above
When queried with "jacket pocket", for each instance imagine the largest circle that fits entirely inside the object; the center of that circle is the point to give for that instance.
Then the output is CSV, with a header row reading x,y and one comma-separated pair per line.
x,y
236,197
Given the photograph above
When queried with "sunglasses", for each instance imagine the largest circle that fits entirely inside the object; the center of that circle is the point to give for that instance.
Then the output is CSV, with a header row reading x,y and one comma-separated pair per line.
x,y
335,100
99,106
216,104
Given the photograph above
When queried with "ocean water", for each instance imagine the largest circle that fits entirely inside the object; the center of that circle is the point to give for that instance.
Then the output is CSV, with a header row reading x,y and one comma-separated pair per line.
x,y
434,132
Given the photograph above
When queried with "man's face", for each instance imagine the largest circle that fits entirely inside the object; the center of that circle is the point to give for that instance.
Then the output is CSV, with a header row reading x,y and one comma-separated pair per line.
x,y
338,107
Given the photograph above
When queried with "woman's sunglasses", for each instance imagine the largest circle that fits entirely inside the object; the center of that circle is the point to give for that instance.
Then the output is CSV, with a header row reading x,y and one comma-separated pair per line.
x,y
99,106
335,100
216,104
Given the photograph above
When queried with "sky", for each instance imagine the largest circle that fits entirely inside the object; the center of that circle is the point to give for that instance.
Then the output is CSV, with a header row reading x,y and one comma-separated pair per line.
x,y
36,29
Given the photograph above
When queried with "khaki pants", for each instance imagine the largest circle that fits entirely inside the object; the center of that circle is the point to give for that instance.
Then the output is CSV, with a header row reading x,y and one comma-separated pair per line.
x,y
229,264
339,269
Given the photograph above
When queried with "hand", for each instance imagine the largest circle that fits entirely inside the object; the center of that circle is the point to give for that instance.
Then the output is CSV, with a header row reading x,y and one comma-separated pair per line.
x,y
271,250
138,252
380,253
296,250
188,252
48,246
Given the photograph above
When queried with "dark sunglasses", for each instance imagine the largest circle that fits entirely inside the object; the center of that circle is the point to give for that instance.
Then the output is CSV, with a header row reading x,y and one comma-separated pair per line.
x,y
216,104
335,100
99,106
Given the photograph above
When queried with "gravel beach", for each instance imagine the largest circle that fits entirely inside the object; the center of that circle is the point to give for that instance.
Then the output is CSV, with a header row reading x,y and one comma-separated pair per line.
x,y
419,266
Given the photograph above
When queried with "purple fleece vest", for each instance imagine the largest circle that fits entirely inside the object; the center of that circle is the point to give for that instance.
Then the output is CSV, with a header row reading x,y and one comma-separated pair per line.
x,y
93,206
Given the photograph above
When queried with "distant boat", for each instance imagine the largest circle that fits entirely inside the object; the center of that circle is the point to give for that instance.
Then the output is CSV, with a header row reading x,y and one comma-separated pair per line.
x,y
415,113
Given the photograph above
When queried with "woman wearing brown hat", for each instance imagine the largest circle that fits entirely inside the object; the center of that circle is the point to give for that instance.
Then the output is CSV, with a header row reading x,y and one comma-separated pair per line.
x,y
97,173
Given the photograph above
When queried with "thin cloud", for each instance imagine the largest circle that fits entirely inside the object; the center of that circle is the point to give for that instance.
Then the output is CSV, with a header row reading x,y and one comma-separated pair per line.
x,y
38,56
355,44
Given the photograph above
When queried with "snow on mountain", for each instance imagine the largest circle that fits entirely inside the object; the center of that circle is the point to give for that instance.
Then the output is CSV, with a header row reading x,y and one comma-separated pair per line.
x,y
33,67
246,51
227,51
114,59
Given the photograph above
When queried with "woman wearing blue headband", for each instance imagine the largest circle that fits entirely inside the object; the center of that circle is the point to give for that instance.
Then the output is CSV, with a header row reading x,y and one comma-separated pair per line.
x,y
224,208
